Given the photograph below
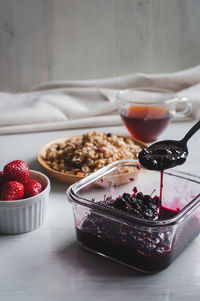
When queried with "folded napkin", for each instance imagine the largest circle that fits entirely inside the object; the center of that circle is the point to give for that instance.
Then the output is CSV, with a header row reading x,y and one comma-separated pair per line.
x,y
87,103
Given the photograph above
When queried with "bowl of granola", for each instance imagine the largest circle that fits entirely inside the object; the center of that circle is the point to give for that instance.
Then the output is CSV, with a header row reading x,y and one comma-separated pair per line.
x,y
70,159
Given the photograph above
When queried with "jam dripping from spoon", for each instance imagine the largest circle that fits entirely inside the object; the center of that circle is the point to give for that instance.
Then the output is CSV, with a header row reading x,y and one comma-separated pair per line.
x,y
167,153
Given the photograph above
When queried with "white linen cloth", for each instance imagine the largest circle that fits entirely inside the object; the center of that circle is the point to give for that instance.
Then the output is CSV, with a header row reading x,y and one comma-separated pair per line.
x,y
87,103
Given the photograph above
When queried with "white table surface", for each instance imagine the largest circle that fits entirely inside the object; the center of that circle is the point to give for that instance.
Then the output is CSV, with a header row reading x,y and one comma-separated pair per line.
x,y
48,264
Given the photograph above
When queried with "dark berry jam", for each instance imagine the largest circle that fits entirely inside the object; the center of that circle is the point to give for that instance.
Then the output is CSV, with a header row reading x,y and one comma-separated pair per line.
x,y
147,251
162,156
137,204
144,248
145,122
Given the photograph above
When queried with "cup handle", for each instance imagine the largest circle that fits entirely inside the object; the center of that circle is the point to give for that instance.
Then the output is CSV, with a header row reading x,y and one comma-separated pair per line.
x,y
187,108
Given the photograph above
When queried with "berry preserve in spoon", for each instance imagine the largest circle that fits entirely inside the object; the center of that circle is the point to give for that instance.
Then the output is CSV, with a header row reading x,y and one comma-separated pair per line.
x,y
167,153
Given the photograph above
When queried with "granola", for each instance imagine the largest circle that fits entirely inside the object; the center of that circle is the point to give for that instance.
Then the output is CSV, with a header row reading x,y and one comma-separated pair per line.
x,y
84,154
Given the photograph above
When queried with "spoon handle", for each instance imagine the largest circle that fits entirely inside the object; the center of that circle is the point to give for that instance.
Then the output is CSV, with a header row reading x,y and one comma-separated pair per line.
x,y
191,132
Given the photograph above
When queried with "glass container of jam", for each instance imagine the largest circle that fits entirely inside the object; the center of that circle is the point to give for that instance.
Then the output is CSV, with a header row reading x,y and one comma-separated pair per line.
x,y
123,212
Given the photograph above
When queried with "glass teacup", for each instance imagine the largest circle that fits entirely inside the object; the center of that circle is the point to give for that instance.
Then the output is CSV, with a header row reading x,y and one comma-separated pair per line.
x,y
147,112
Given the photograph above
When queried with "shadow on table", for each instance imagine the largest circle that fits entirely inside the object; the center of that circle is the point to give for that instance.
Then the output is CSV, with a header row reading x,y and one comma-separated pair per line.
x,y
95,264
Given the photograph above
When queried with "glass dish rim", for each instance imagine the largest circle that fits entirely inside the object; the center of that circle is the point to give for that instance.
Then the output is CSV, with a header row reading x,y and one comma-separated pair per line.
x,y
172,96
125,217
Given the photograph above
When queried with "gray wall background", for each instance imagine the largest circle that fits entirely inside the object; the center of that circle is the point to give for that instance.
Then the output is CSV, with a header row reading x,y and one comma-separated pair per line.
x,y
43,40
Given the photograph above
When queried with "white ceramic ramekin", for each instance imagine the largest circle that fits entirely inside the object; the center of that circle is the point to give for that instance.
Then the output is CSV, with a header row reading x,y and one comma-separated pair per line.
x,y
27,214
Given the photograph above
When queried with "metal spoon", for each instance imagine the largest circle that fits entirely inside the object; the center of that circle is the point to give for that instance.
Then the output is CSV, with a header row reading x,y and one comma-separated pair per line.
x,y
167,153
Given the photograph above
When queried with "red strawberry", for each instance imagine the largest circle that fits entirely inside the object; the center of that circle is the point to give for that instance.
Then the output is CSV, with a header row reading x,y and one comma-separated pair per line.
x,y
16,170
12,190
2,180
32,187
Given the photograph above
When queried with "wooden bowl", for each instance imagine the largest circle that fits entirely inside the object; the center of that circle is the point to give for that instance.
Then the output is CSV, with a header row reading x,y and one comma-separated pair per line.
x,y
66,177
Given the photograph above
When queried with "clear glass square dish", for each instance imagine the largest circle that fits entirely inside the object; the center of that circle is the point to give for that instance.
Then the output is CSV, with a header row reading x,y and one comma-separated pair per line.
x,y
145,245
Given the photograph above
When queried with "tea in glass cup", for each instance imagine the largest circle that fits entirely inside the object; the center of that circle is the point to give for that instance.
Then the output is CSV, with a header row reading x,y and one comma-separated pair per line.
x,y
147,112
